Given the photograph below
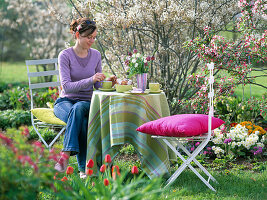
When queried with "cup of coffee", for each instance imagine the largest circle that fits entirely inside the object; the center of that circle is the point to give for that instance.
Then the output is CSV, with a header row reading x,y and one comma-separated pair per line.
x,y
154,87
106,84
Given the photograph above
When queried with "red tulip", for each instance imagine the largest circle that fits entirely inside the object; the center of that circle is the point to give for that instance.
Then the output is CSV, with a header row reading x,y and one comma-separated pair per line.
x,y
114,175
64,179
107,158
152,58
90,164
115,168
103,168
106,182
134,170
89,172
69,170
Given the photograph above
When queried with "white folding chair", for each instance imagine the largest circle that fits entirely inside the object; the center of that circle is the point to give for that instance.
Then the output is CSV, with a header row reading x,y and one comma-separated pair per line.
x,y
44,117
179,142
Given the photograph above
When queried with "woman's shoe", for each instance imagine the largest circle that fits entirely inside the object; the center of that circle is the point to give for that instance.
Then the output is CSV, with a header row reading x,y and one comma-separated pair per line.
x,y
83,175
62,163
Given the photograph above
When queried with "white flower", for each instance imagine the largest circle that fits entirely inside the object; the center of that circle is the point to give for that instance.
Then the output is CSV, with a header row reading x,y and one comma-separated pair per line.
x,y
133,60
138,55
136,65
79,27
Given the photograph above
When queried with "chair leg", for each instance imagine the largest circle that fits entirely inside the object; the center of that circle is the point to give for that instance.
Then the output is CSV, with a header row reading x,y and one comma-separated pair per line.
x,y
40,136
185,164
197,163
54,140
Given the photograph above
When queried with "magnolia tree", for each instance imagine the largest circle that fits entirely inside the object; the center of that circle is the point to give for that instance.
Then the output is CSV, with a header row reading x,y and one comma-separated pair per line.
x,y
39,30
157,28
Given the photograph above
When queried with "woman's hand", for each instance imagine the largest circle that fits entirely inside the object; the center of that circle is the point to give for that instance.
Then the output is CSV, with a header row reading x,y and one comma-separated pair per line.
x,y
112,78
98,77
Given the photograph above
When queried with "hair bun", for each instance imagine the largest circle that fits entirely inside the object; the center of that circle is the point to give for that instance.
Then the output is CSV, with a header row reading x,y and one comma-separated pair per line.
x,y
73,25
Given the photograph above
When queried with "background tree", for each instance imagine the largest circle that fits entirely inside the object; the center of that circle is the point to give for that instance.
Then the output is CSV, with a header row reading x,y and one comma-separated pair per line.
x,y
32,27
161,26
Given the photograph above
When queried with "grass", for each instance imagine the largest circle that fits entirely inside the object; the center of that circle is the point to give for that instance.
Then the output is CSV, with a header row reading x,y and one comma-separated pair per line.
x,y
255,90
232,185
13,72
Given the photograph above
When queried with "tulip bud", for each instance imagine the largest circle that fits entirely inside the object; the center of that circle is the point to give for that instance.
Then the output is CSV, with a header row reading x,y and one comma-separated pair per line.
x,y
107,158
106,182
134,170
89,172
90,164
103,168
115,168
69,170
64,179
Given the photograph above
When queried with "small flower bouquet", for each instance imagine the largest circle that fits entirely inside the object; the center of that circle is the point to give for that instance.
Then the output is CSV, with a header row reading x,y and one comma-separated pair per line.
x,y
137,63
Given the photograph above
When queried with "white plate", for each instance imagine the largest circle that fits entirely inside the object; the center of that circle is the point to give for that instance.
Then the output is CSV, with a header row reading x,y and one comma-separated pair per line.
x,y
107,90
139,93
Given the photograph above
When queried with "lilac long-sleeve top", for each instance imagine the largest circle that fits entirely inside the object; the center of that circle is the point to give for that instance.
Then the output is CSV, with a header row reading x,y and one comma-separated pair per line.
x,y
76,74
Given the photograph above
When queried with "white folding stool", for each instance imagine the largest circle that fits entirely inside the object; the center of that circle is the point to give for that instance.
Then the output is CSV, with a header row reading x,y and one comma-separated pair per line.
x,y
174,142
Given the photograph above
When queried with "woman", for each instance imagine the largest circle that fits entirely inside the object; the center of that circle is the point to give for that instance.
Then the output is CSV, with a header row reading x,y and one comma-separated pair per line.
x,y
80,71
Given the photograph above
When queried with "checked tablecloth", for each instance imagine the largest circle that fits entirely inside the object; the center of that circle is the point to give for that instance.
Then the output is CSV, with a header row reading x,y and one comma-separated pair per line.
x,y
113,120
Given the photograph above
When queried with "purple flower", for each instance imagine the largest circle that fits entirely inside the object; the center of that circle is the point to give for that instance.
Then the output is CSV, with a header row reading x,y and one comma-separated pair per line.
x,y
148,58
197,144
208,148
130,54
226,141
205,152
192,148
135,50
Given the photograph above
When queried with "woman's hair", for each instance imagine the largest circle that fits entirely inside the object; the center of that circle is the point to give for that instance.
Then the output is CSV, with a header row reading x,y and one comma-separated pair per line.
x,y
83,25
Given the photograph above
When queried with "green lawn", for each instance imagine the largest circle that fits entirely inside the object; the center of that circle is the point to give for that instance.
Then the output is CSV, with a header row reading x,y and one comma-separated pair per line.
x,y
13,72
255,90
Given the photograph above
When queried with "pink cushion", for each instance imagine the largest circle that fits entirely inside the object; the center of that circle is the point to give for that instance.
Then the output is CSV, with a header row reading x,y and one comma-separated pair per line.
x,y
183,125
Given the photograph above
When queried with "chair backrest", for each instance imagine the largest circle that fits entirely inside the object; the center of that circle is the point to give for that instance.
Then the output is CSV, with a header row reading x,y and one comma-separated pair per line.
x,y
42,74
211,95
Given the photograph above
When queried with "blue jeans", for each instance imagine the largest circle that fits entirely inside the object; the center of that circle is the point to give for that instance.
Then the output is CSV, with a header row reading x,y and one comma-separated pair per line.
x,y
75,114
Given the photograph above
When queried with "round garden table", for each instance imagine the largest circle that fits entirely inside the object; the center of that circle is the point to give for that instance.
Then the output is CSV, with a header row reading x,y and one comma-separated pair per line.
x,y
113,119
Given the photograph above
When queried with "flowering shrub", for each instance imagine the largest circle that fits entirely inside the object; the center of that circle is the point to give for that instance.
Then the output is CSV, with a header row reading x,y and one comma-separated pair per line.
x,y
233,109
236,58
25,169
137,63
243,139
19,98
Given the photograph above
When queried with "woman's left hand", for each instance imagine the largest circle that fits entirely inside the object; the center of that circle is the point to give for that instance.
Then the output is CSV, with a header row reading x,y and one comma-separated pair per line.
x,y
112,78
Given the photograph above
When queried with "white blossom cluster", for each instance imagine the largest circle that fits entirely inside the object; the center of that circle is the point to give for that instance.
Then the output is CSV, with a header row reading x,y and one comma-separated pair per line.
x,y
217,150
237,137
150,25
42,33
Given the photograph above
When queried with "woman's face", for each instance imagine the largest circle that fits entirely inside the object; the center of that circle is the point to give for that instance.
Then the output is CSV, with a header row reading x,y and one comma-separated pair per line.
x,y
87,41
